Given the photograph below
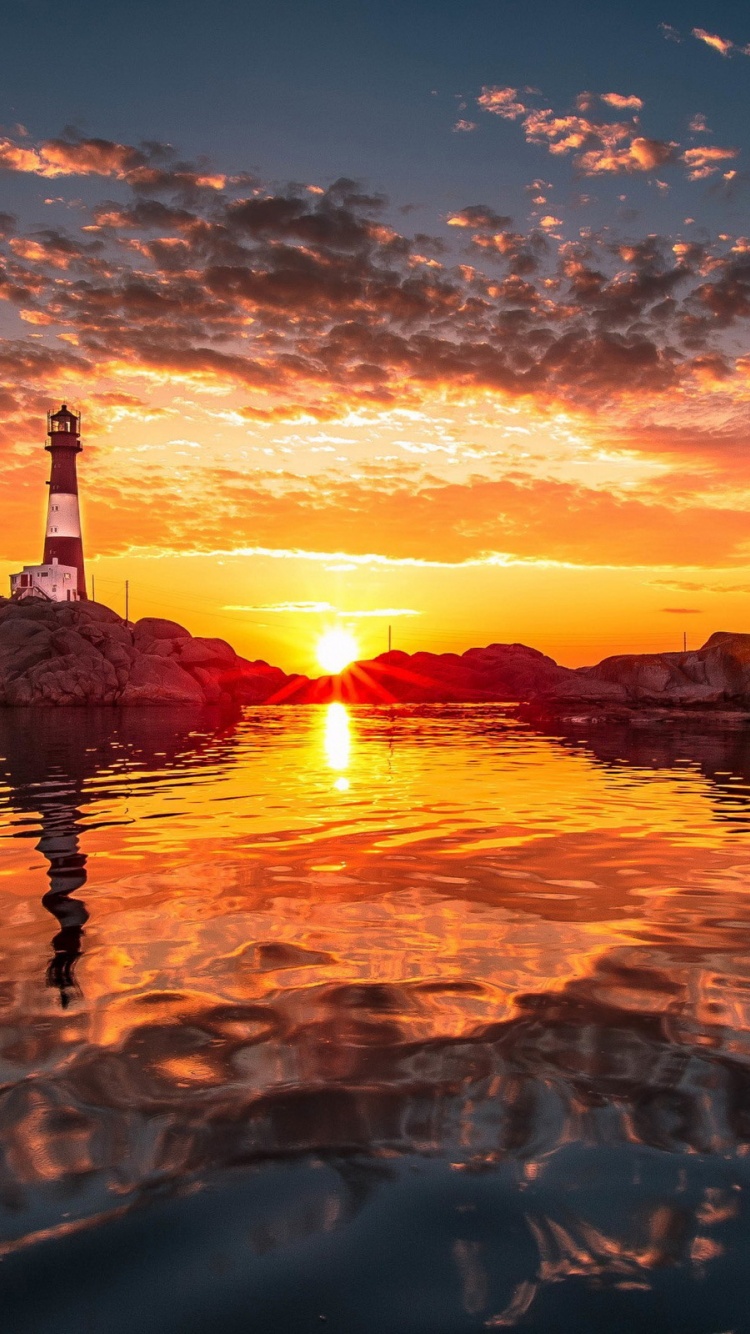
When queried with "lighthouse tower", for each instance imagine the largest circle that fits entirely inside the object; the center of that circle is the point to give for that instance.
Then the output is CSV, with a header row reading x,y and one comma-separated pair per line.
x,y
61,577
62,542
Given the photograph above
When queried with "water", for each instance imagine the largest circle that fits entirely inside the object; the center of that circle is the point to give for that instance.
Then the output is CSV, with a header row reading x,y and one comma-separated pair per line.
x,y
406,1021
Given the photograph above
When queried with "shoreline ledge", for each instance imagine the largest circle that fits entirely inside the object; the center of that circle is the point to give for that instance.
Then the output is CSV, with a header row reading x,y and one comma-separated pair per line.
x,y
83,653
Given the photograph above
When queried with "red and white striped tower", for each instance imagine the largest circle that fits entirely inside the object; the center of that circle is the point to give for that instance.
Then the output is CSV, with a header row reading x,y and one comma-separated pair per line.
x,y
62,541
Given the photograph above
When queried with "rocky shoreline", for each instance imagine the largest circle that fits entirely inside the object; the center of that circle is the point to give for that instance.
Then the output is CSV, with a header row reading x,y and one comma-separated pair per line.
x,y
83,653
54,654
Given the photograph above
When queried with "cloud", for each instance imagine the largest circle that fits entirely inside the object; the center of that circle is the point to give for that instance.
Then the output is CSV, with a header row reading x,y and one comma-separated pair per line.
x,y
705,161
683,611
444,523
503,102
319,608
694,586
382,611
302,307
151,166
479,217
464,126
600,147
720,44
621,102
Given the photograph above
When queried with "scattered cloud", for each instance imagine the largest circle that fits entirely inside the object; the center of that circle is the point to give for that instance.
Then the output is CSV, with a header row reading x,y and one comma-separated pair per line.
x,y
683,611
621,102
302,306
599,147
503,102
723,45
704,161
464,126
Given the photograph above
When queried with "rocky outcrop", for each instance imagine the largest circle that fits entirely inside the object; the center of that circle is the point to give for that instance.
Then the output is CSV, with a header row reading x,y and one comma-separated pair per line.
x,y
84,653
714,677
500,672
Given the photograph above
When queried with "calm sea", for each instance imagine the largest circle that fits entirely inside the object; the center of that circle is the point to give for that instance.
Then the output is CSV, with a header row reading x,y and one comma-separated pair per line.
x,y
375,1021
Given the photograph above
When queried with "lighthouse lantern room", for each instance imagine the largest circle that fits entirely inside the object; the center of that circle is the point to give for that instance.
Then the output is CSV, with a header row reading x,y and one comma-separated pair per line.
x,y
61,577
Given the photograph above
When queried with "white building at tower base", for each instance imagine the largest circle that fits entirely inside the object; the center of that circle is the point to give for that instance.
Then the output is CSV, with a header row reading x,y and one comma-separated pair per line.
x,y
51,583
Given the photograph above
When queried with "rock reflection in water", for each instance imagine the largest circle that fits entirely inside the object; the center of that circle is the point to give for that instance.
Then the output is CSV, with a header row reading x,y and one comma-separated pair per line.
x,y
461,1045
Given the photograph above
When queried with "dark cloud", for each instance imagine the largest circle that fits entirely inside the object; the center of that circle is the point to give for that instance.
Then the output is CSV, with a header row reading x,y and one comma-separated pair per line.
x,y
313,294
480,218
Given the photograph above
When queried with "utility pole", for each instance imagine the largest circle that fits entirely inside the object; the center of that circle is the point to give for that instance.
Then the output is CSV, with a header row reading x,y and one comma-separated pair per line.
x,y
127,601
93,588
684,641
389,638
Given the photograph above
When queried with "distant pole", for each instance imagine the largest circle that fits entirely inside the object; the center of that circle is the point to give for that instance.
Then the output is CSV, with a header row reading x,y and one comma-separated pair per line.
x,y
389,638
127,601
684,641
93,588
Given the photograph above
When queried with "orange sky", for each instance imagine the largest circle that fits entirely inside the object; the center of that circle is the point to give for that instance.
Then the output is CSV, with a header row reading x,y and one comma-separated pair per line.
x,y
298,414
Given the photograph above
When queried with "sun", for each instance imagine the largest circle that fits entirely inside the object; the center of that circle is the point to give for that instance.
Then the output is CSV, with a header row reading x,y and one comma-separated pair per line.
x,y
336,649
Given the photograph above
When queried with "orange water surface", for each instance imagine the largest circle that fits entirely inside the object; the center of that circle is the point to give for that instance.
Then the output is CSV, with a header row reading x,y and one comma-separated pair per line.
x,y
406,1019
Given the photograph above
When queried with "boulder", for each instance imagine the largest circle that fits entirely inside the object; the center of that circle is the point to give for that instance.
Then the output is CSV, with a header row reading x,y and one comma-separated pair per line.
x,y
154,680
716,675
83,653
152,627
211,687
65,679
158,648
19,631
203,652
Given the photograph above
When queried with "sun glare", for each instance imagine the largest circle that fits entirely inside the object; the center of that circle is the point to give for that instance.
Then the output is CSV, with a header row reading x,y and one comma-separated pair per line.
x,y
337,742
336,649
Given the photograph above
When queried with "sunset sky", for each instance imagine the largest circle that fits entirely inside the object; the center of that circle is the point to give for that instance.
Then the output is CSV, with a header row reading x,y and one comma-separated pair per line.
x,y
430,313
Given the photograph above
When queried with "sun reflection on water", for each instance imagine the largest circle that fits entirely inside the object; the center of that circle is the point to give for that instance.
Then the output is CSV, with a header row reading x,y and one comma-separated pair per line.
x,y
512,968
337,742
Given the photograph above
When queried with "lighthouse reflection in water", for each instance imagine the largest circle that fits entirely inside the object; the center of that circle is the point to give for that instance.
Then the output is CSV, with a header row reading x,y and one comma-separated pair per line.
x,y
405,1020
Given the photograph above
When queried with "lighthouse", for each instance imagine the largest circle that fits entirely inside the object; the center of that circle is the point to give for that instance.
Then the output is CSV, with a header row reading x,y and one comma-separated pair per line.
x,y
61,577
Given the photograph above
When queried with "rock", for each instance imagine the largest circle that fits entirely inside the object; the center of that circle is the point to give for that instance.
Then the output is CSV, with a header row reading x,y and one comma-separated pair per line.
x,y
84,653
587,688
200,652
155,680
105,634
158,648
69,641
210,687
152,627
716,675
20,631
500,672
66,679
